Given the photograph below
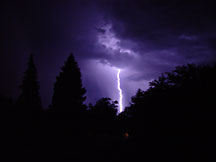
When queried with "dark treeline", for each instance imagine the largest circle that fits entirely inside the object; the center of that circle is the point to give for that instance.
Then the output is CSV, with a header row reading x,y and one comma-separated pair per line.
x,y
174,120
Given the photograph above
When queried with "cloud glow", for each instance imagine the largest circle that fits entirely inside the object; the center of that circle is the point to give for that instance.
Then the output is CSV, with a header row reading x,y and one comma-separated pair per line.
x,y
108,39
113,45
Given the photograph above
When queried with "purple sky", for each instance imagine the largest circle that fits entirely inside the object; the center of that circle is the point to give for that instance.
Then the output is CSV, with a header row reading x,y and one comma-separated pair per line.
x,y
142,38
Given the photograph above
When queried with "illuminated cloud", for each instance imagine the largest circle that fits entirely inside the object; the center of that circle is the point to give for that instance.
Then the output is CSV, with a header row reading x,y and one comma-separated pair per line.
x,y
142,38
109,40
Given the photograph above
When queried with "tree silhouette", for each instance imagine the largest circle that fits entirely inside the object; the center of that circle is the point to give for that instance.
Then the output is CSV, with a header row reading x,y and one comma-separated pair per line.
x,y
29,102
103,115
69,92
174,96
178,105
104,107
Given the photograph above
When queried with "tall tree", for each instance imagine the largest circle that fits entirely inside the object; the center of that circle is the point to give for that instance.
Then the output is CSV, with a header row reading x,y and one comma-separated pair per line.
x,y
29,101
69,92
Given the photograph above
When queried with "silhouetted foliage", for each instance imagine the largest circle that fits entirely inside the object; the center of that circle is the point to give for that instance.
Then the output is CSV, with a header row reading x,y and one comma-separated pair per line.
x,y
103,115
66,116
69,92
104,108
29,102
173,120
179,104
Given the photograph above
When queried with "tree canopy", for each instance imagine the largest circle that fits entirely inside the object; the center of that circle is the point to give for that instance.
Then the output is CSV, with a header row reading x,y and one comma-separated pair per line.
x,y
29,100
69,92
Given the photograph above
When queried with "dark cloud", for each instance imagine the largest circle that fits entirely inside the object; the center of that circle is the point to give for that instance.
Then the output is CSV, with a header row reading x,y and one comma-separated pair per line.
x,y
166,33
142,37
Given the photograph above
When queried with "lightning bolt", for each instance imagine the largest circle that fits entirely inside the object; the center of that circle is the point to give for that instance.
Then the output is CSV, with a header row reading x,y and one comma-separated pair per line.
x,y
120,91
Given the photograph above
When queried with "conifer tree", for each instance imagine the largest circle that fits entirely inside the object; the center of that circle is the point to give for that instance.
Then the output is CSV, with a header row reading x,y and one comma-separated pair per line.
x,y
69,92
29,101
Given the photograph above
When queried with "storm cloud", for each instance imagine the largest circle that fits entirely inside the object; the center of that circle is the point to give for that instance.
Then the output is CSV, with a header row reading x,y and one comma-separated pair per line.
x,y
143,38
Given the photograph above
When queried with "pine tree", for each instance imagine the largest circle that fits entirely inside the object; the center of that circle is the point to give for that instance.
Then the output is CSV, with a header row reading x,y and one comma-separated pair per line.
x,y
69,92
29,101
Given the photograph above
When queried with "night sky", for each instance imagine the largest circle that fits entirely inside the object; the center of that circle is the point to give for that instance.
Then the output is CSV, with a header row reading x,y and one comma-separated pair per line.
x,y
142,38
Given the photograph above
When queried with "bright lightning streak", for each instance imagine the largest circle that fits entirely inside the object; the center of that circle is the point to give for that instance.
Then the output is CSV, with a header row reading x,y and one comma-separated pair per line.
x,y
120,91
